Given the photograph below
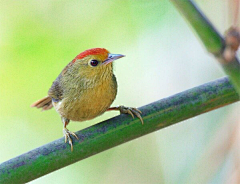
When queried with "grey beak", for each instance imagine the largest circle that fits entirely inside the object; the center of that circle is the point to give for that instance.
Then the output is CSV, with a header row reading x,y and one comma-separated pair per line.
x,y
112,57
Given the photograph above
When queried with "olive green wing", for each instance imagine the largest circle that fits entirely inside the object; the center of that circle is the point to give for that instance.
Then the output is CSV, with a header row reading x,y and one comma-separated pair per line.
x,y
56,91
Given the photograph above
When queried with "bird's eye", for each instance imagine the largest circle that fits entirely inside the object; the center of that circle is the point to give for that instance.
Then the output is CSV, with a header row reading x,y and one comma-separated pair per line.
x,y
94,62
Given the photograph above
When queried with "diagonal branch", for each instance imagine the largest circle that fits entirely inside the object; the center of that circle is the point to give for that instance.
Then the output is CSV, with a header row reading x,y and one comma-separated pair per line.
x,y
211,39
118,130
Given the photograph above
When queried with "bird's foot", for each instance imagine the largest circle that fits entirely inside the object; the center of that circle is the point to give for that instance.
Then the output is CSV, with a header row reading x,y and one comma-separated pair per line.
x,y
129,110
67,136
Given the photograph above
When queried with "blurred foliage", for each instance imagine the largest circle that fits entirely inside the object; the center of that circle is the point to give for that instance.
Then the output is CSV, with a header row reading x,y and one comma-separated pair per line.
x,y
38,38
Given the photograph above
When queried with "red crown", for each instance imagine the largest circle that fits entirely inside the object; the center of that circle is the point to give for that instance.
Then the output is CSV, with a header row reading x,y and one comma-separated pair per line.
x,y
94,51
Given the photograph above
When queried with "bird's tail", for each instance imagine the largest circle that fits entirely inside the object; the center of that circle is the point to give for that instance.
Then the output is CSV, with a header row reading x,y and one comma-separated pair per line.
x,y
44,103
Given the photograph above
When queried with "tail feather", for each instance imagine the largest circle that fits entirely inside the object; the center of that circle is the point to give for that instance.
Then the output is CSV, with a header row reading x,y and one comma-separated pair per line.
x,y
44,103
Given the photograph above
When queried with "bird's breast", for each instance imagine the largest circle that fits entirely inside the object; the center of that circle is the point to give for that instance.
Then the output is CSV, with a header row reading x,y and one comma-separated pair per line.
x,y
87,103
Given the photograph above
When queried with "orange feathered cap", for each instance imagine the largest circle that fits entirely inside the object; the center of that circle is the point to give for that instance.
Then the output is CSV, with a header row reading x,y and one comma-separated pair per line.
x,y
93,51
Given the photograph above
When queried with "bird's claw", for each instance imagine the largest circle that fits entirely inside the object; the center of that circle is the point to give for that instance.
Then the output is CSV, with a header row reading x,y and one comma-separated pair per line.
x,y
132,111
67,136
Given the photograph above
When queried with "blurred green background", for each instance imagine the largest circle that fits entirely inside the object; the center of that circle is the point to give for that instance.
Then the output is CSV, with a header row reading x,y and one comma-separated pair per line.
x,y
37,40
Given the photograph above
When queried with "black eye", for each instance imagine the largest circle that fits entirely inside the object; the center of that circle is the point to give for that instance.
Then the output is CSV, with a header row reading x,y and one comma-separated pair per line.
x,y
94,62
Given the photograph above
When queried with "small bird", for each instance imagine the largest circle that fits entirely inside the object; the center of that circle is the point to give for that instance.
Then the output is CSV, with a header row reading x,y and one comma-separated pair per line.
x,y
85,89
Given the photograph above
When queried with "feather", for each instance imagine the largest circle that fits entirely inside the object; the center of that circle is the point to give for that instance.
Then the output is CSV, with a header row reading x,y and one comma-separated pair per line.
x,y
44,103
94,51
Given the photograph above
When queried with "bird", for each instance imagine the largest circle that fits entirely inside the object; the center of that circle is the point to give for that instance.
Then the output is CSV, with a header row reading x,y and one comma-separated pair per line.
x,y
85,89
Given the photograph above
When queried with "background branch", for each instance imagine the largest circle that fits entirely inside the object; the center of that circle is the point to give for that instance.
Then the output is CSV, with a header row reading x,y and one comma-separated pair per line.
x,y
118,130
211,39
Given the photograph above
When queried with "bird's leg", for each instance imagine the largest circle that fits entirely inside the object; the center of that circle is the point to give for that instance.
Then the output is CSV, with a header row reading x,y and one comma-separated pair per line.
x,y
128,110
67,133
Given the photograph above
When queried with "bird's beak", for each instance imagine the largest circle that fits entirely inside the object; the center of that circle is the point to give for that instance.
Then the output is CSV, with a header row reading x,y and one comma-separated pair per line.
x,y
112,57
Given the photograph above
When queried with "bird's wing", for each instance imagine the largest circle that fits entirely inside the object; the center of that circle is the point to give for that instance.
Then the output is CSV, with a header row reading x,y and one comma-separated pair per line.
x,y
56,91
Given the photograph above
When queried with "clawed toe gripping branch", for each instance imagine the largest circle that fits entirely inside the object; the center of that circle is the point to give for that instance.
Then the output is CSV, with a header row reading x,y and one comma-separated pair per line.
x,y
120,129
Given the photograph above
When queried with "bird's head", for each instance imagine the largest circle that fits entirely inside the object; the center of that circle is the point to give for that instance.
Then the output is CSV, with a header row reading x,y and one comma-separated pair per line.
x,y
96,61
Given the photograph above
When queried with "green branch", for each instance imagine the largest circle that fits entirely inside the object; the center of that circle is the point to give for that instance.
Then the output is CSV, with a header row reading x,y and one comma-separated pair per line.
x,y
211,39
118,130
